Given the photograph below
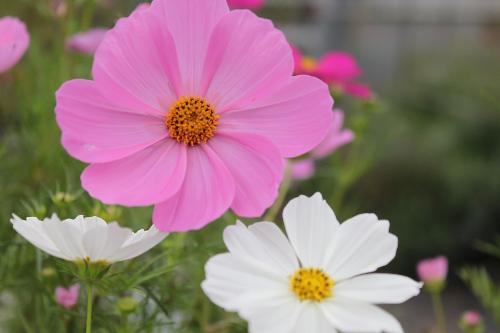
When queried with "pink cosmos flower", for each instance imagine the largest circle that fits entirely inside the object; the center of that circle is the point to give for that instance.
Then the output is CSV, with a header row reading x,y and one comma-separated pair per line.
x,y
86,42
67,297
338,69
14,41
433,270
246,4
192,108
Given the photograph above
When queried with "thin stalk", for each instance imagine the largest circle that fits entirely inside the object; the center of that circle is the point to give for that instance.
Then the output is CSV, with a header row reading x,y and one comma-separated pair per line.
x,y
285,187
439,312
89,308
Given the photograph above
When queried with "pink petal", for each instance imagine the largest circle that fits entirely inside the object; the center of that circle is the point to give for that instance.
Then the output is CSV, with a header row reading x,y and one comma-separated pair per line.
x,y
246,4
302,169
247,57
96,130
191,23
207,192
359,90
336,138
297,59
257,169
147,177
14,41
295,116
338,67
137,64
87,41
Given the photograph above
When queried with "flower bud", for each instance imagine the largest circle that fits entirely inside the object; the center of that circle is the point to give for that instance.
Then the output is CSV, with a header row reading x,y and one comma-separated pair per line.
x,y
471,322
127,305
433,273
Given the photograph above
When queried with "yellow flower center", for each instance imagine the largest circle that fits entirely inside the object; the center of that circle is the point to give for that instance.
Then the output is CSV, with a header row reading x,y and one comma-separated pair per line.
x,y
311,284
308,63
191,120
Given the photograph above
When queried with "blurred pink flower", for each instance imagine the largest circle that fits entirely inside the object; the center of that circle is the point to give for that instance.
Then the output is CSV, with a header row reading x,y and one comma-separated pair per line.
x,y
141,6
302,169
433,270
67,297
338,69
14,41
471,318
86,42
192,108
336,138
246,4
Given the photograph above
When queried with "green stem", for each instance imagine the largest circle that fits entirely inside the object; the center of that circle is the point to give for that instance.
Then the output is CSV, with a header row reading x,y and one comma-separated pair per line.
x,y
439,312
89,308
285,187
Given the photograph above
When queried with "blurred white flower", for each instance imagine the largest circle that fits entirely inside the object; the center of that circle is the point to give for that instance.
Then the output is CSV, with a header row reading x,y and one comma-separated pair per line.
x,y
88,239
316,280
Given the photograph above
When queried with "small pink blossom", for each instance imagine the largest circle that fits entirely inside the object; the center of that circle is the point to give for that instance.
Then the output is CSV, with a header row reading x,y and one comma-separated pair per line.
x,y
14,41
433,270
246,4
86,42
192,108
338,69
302,169
471,318
67,297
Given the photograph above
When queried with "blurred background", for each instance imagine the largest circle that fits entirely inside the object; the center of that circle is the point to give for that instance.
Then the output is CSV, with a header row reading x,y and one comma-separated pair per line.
x,y
427,153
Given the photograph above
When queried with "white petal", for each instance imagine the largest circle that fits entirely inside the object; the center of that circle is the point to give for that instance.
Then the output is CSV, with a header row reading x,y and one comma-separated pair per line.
x,y
116,237
352,316
274,317
311,226
361,245
67,236
233,282
139,243
32,230
95,237
312,319
378,288
263,242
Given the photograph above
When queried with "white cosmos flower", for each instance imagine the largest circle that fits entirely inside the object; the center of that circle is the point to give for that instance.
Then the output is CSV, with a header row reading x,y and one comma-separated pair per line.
x,y
86,238
314,281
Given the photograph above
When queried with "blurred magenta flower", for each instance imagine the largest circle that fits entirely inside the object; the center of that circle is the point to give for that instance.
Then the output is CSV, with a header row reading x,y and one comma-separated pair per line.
x,y
337,137
67,297
302,169
338,69
433,270
86,42
246,4
192,108
14,41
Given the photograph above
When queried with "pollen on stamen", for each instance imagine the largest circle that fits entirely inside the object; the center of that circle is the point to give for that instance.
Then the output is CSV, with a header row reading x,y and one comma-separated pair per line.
x,y
191,120
311,284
